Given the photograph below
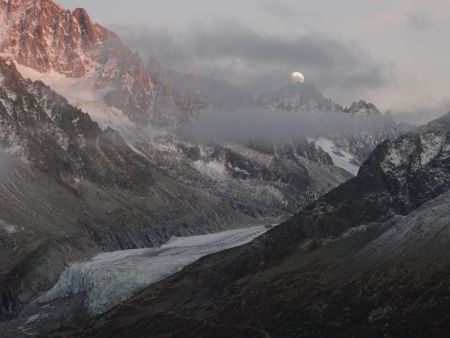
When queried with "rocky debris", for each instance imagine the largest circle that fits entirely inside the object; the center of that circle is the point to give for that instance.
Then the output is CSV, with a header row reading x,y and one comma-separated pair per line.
x,y
254,183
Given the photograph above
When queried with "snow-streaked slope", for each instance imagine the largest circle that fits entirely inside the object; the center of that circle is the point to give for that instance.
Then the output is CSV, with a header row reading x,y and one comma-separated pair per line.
x,y
113,277
341,158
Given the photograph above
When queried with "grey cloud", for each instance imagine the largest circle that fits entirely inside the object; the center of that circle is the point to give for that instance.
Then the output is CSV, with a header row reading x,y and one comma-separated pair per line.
x,y
284,11
233,53
419,22
246,124
421,114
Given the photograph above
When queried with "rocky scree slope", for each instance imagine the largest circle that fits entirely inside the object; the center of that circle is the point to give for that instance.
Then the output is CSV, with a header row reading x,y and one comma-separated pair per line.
x,y
259,179
367,259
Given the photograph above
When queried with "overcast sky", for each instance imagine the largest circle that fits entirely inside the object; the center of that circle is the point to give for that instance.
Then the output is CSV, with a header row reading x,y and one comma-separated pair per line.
x,y
393,52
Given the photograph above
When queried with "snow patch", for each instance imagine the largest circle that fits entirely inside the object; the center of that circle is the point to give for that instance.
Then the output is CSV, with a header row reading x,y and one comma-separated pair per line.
x,y
9,228
214,169
431,146
32,318
399,153
341,158
403,150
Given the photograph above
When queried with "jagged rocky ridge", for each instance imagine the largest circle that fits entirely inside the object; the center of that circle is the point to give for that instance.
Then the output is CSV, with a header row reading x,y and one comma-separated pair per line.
x,y
370,126
62,141
298,97
367,259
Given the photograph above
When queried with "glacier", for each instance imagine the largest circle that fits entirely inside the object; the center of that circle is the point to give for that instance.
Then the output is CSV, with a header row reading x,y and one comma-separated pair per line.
x,y
112,277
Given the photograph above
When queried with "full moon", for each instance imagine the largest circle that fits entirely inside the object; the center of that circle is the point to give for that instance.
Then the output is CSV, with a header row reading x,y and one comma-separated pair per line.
x,y
297,77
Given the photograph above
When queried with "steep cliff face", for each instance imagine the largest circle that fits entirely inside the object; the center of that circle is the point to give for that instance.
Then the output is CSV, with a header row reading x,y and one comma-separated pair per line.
x,y
41,127
44,36
41,35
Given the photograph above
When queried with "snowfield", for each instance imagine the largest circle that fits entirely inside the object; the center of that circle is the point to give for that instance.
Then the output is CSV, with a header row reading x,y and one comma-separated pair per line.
x,y
81,93
341,158
112,277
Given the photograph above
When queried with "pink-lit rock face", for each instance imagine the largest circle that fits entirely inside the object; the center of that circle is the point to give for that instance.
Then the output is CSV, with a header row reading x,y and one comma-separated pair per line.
x,y
42,35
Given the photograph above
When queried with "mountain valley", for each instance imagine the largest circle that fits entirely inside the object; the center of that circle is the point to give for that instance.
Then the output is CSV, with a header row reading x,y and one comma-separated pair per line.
x,y
140,201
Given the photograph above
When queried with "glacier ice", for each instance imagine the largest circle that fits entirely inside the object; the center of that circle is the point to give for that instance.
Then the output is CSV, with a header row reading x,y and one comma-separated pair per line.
x,y
112,277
